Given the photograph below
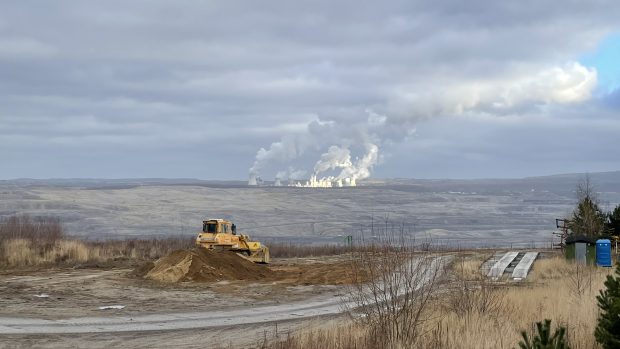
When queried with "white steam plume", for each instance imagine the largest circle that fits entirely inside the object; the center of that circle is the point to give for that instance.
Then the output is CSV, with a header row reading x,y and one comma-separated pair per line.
x,y
335,157
408,105
362,167
340,157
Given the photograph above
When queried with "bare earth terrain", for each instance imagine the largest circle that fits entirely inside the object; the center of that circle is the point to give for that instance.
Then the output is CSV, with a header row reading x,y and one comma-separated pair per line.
x,y
477,212
299,289
61,307
80,292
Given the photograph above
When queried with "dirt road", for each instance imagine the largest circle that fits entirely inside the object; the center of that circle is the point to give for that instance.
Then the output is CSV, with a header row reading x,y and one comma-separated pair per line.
x,y
313,307
175,321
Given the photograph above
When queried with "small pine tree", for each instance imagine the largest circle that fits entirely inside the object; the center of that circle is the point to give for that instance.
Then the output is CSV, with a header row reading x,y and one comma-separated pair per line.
x,y
613,222
587,219
607,331
543,339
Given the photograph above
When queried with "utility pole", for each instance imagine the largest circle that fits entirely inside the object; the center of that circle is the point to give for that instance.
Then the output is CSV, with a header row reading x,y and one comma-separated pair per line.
x,y
561,224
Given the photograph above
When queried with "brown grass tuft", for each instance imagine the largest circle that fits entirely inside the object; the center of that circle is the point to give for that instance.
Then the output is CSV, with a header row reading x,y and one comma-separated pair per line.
x,y
25,241
491,317
550,268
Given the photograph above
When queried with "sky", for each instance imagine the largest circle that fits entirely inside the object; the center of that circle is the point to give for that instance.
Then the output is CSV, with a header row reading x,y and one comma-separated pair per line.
x,y
287,89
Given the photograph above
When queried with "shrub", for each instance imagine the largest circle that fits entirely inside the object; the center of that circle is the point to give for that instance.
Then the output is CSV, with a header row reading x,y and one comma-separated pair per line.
x,y
607,331
543,339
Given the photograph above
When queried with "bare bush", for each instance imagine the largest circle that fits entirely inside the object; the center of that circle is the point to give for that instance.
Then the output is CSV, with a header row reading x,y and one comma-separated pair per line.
x,y
478,297
580,279
42,229
141,249
26,241
393,303
548,295
390,297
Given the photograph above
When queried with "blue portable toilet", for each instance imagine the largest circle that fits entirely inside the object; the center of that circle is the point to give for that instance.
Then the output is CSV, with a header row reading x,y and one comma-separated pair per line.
x,y
603,253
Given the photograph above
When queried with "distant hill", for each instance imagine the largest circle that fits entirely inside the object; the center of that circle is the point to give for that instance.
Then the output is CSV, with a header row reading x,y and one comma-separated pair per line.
x,y
560,183
480,212
103,183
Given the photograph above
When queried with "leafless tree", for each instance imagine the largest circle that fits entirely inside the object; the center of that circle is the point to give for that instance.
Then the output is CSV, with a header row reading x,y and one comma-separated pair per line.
x,y
586,189
393,287
476,297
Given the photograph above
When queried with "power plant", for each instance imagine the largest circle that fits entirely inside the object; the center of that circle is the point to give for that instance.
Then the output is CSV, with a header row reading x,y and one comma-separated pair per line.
x,y
313,182
336,158
325,182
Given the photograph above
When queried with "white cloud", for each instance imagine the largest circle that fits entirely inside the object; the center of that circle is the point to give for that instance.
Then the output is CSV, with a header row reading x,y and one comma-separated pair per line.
x,y
569,84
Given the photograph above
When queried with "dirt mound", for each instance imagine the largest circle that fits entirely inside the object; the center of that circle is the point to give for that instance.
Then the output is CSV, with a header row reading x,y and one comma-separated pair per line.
x,y
203,265
143,269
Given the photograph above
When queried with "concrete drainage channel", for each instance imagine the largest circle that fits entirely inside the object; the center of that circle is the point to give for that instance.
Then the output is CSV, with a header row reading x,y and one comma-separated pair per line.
x,y
515,263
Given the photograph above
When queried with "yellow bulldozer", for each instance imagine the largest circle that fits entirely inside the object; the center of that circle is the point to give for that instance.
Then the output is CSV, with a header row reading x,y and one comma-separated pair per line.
x,y
220,234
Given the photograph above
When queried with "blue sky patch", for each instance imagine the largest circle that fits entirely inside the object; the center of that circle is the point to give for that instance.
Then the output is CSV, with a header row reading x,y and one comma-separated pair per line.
x,y
606,60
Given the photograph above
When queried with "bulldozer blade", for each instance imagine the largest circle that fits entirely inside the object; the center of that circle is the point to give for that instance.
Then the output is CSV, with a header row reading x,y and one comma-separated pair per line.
x,y
260,256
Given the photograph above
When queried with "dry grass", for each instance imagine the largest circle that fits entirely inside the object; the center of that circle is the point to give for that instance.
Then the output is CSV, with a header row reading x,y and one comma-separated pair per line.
x,y
26,242
467,265
349,336
553,300
287,250
553,293
550,268
15,253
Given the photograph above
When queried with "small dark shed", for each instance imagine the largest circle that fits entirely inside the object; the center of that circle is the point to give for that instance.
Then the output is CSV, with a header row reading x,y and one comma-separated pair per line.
x,y
581,248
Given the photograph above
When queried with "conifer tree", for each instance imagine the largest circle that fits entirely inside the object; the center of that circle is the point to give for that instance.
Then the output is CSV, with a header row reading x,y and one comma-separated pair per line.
x,y
607,331
613,223
587,219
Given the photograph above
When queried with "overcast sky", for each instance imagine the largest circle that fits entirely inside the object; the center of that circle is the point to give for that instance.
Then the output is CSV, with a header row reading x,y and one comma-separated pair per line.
x,y
450,89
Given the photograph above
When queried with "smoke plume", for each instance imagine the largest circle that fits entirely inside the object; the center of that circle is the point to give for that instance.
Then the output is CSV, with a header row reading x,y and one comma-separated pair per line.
x,y
339,138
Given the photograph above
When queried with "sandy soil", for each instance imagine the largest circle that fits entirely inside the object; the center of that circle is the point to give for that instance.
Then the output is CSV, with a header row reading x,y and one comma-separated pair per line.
x,y
80,292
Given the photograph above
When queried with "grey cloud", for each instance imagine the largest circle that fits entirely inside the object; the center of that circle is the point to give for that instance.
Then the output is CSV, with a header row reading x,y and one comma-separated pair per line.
x,y
219,80
24,48
470,148
612,100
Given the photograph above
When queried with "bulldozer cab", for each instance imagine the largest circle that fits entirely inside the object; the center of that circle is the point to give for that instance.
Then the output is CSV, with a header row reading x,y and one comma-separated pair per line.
x,y
209,227
215,226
